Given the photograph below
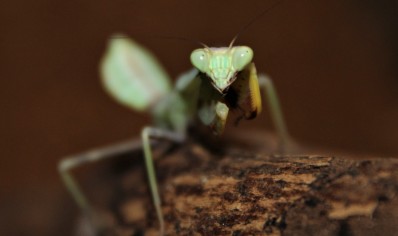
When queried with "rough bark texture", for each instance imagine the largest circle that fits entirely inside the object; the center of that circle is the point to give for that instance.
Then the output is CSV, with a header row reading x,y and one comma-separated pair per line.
x,y
239,193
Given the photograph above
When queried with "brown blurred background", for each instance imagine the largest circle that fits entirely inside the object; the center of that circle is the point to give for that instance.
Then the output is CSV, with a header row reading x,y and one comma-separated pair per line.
x,y
334,64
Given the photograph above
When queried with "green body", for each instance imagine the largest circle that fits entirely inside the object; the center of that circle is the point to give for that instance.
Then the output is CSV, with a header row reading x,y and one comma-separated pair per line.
x,y
134,78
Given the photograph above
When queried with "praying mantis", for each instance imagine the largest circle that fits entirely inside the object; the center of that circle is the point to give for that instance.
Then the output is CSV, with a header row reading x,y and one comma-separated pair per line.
x,y
223,79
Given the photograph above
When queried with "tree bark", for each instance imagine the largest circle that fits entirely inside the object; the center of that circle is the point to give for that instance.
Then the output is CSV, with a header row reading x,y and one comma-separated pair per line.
x,y
237,192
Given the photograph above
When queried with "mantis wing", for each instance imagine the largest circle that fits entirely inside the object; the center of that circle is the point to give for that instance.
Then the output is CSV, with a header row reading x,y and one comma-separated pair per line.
x,y
132,75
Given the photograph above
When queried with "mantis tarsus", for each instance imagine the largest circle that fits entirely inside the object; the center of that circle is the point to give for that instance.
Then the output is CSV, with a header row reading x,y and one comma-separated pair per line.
x,y
223,79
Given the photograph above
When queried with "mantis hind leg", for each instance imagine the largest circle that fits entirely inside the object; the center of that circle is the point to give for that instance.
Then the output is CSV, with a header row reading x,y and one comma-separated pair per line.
x,y
147,133
276,112
68,164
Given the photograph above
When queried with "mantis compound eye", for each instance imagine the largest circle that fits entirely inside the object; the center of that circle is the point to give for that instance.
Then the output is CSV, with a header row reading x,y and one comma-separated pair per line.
x,y
241,57
200,60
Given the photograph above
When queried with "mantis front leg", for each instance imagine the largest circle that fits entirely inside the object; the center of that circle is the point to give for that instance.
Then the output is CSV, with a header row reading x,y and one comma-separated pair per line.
x,y
147,133
249,87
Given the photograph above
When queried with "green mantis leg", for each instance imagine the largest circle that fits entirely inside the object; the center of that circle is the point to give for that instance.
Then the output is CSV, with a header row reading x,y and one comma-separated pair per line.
x,y
147,133
276,112
68,164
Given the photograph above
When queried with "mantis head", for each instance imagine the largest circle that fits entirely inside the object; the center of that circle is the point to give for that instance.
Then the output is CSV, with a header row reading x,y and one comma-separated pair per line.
x,y
221,65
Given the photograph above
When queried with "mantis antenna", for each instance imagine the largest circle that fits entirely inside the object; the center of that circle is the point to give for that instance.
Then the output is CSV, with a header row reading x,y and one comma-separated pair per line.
x,y
165,37
254,19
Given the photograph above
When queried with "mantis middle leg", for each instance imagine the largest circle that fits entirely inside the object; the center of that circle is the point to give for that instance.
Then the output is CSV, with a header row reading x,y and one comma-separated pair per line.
x,y
68,164
147,133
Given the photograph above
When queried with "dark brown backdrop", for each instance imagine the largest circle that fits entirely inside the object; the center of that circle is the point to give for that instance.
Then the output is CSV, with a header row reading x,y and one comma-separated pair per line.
x,y
334,64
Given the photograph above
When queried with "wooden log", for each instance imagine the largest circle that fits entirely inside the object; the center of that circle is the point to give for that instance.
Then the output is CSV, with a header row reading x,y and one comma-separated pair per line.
x,y
237,192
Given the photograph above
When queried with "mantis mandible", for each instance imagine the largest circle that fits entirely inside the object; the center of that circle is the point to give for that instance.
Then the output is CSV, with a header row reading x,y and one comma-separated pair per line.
x,y
223,79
